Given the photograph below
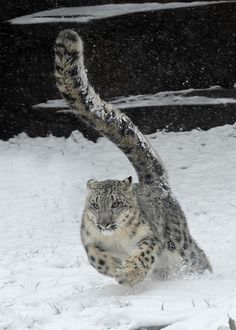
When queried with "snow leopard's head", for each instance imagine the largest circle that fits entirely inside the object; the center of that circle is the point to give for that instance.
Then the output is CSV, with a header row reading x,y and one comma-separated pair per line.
x,y
110,203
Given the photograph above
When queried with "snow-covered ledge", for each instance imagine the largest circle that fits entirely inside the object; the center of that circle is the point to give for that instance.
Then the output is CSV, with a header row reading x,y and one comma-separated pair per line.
x,y
168,98
86,14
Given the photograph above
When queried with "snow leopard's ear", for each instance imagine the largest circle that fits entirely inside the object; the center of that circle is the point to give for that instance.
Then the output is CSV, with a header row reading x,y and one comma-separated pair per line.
x,y
92,184
128,183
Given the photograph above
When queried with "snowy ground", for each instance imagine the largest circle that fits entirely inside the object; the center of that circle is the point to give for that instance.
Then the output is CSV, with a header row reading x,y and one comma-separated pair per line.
x,y
45,280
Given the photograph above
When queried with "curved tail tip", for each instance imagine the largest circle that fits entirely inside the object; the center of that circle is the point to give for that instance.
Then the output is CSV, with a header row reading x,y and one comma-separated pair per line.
x,y
70,39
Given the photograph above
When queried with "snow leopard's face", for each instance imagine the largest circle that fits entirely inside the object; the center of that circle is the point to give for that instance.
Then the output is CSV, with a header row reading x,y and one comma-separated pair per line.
x,y
110,203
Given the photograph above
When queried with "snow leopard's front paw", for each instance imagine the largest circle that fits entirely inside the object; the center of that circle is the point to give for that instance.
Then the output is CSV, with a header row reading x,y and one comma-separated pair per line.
x,y
131,272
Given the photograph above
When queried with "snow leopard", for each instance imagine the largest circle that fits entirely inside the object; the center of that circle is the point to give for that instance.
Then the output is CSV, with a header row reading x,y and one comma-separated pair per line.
x,y
128,229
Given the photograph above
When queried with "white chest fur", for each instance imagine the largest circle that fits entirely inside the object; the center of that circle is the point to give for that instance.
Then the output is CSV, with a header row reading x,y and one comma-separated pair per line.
x,y
119,243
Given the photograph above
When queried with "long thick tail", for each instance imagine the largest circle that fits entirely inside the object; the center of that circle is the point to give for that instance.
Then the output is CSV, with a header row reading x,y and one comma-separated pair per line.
x,y
73,84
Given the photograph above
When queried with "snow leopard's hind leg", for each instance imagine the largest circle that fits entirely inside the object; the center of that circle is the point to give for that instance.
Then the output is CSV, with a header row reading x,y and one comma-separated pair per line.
x,y
195,259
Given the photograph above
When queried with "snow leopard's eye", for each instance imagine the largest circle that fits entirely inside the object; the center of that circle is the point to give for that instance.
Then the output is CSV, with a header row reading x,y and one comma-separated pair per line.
x,y
115,204
94,206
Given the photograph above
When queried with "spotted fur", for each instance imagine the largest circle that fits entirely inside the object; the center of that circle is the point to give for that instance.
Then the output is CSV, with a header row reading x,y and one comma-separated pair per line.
x,y
127,229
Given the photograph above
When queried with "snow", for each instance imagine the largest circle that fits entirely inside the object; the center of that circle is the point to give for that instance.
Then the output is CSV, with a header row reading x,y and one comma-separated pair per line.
x,y
46,282
85,14
167,98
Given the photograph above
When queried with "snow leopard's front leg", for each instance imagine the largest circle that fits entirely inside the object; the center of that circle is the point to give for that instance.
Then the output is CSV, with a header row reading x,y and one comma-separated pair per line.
x,y
135,268
102,261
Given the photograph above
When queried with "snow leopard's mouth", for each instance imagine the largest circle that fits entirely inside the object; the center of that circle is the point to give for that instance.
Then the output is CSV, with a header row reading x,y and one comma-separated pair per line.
x,y
108,229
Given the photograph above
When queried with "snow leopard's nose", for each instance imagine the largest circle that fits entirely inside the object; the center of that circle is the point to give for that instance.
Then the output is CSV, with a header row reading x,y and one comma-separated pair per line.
x,y
105,224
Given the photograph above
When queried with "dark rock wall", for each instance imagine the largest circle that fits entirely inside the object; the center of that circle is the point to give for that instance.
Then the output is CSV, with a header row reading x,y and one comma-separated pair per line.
x,y
141,53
